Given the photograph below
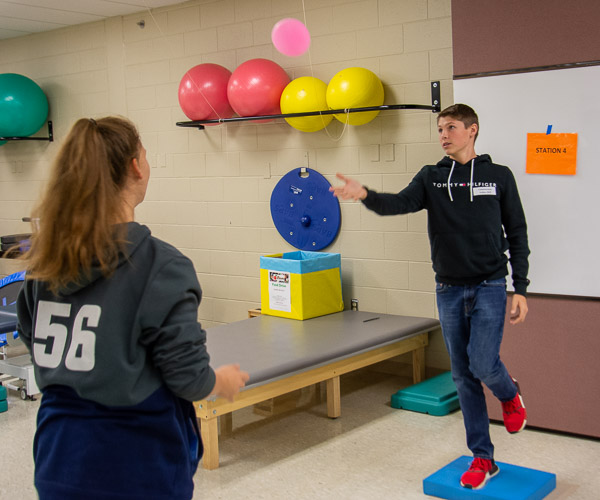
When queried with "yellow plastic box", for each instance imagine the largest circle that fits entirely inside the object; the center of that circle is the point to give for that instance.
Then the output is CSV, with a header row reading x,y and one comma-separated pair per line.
x,y
301,285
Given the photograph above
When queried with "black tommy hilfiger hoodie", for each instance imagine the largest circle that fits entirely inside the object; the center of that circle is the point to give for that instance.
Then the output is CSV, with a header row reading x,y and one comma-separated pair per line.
x,y
474,217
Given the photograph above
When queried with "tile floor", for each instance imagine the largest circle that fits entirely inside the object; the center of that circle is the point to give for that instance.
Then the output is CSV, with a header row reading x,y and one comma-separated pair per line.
x,y
371,452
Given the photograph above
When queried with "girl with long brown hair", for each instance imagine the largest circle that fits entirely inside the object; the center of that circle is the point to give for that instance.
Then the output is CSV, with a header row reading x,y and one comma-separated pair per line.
x,y
109,313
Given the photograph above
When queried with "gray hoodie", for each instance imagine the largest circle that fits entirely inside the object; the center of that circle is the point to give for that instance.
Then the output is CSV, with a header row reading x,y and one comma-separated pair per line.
x,y
116,340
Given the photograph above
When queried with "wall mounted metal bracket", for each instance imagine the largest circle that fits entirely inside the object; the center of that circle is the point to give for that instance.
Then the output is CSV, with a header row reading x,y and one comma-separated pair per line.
x,y
50,137
435,107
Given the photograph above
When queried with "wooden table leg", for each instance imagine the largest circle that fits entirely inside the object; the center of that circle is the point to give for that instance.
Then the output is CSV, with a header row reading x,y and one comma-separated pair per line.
x,y
418,361
334,404
226,424
209,431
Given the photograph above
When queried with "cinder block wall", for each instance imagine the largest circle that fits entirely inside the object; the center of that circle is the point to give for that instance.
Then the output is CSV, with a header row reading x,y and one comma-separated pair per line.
x,y
209,190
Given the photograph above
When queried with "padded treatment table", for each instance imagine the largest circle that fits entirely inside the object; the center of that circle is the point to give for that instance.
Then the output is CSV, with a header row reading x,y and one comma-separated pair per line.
x,y
283,355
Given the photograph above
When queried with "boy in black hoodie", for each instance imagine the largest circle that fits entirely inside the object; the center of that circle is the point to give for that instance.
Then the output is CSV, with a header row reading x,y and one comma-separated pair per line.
x,y
474,216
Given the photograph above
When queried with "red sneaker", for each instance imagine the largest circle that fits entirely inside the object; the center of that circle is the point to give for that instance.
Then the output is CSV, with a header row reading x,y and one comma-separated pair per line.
x,y
514,413
480,471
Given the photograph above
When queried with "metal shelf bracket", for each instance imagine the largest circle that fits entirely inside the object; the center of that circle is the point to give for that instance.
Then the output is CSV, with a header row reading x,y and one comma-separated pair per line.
x,y
435,107
50,137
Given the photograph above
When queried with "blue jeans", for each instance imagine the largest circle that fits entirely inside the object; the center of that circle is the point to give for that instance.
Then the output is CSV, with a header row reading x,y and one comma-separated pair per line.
x,y
472,318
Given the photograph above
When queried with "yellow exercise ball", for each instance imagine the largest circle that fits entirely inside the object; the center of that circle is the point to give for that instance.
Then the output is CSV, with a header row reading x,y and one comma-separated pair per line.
x,y
302,95
355,88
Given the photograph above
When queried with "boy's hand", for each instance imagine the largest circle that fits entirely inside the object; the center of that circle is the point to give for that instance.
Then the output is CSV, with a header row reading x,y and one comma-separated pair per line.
x,y
352,189
230,379
518,309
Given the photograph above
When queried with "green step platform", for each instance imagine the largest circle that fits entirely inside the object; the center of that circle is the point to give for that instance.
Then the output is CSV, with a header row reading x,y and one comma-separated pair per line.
x,y
435,396
3,402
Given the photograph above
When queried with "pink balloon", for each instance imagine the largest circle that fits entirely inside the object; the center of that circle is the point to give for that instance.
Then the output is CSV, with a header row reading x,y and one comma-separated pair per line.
x,y
203,92
255,88
290,37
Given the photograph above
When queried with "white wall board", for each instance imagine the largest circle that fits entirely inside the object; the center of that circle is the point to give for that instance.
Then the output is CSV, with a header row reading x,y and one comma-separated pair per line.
x,y
563,212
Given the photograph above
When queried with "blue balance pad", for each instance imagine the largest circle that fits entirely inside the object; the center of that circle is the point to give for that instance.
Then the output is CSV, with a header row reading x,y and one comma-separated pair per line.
x,y
511,483
436,396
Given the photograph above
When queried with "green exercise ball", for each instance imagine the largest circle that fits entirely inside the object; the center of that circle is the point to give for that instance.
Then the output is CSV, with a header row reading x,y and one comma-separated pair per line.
x,y
23,106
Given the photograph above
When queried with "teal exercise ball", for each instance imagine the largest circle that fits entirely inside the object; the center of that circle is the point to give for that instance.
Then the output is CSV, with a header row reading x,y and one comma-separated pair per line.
x,y
23,106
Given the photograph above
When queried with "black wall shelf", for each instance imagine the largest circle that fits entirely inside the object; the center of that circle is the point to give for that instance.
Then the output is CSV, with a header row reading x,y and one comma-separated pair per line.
x,y
50,137
435,107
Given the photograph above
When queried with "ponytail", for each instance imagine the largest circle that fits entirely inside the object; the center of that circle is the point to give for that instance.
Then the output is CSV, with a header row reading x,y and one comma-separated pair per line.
x,y
75,218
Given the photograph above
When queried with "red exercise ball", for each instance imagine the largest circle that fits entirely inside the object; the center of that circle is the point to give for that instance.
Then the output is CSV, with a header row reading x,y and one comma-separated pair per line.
x,y
203,92
255,88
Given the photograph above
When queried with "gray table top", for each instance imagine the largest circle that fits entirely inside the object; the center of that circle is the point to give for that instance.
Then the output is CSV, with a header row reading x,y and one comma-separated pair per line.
x,y
270,347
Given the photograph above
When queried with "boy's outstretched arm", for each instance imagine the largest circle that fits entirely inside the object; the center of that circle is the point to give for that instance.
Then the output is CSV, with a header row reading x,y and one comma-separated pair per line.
x,y
352,189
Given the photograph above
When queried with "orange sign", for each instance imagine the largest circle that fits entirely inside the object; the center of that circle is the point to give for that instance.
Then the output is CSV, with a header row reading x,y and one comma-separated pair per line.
x,y
551,154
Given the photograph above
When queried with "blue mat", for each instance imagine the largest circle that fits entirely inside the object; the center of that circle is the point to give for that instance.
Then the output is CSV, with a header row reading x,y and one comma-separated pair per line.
x,y
512,483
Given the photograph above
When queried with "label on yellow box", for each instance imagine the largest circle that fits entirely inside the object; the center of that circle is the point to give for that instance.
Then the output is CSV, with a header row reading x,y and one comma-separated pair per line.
x,y
279,291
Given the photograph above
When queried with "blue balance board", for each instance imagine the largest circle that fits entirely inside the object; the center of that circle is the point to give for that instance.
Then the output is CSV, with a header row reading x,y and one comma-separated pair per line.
x,y
511,483
304,211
